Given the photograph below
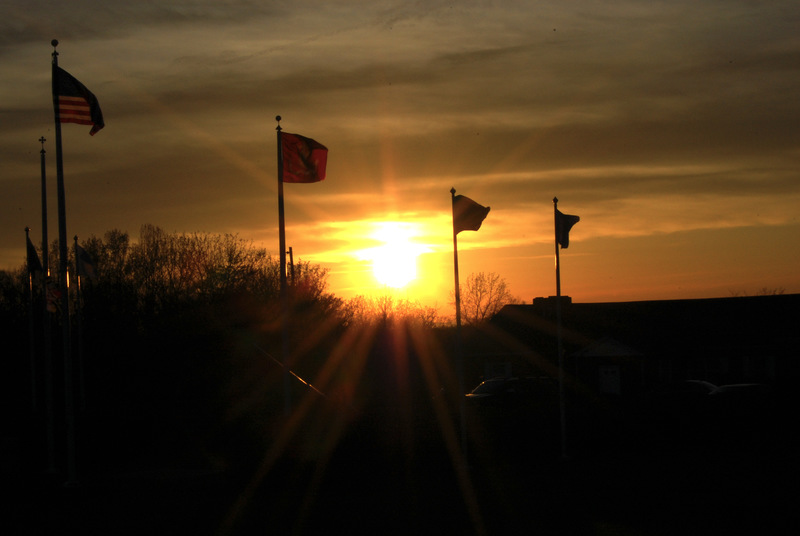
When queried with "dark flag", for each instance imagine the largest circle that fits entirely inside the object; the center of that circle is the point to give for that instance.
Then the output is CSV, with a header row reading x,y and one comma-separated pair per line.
x,y
34,264
467,214
53,298
304,159
564,223
76,104
85,263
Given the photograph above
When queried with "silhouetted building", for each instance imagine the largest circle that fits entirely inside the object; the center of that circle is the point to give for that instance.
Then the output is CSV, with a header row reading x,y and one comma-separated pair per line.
x,y
623,348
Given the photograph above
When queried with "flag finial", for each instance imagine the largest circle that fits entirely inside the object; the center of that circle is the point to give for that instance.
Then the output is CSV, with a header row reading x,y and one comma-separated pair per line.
x,y
278,119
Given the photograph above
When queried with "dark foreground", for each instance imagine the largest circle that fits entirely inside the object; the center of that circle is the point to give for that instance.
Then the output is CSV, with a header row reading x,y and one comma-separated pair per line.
x,y
405,478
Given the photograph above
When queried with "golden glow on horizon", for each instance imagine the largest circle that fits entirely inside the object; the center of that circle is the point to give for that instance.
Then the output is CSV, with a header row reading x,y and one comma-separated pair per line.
x,y
357,251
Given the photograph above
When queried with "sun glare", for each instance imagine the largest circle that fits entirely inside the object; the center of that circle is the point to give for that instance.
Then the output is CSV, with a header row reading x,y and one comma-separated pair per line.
x,y
394,263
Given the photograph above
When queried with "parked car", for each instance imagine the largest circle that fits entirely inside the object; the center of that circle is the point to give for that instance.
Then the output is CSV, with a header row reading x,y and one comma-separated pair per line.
x,y
752,391
743,400
749,417
677,412
495,388
515,413
512,394
679,397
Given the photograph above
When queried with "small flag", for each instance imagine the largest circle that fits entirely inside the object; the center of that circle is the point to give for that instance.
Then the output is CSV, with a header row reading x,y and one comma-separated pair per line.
x,y
76,104
304,159
85,264
34,264
467,214
564,223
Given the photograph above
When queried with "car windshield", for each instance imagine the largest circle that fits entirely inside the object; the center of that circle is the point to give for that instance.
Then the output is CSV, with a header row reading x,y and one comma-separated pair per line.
x,y
491,387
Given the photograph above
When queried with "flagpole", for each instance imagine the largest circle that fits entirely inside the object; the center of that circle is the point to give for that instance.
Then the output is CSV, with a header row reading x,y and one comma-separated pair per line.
x,y
79,327
284,293
45,252
45,268
561,394
31,330
291,263
455,261
558,263
69,408
47,354
459,349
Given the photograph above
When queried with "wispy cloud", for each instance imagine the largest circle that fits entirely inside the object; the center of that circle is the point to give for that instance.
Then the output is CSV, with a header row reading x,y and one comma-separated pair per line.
x,y
644,118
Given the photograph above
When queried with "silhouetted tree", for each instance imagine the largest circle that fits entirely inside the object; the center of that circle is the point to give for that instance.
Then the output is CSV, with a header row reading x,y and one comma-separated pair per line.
x,y
482,296
182,342
177,327
386,308
15,370
13,292
763,291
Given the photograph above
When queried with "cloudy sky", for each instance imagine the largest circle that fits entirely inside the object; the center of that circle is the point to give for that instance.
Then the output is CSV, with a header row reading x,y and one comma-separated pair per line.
x,y
669,127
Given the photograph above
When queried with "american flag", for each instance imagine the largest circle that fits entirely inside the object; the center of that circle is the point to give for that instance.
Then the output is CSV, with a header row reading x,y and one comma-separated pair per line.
x,y
76,104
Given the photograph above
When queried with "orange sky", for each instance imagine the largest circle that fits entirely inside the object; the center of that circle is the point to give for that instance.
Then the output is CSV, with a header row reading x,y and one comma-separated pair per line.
x,y
669,128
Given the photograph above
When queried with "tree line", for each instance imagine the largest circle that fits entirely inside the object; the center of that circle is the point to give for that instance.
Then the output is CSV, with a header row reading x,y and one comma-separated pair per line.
x,y
180,334
163,271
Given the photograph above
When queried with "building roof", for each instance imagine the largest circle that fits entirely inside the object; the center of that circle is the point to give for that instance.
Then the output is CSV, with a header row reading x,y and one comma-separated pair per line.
x,y
757,325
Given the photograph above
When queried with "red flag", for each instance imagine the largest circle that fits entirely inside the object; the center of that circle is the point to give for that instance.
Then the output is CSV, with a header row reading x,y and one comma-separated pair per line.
x,y
76,104
564,223
467,214
304,159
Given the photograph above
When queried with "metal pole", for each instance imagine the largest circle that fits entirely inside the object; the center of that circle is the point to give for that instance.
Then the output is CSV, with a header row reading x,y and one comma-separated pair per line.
x,y
79,328
284,294
69,403
561,394
31,329
47,353
459,348
291,263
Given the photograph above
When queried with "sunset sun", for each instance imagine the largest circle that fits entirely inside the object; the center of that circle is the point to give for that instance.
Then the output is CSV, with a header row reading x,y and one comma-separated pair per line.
x,y
394,262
